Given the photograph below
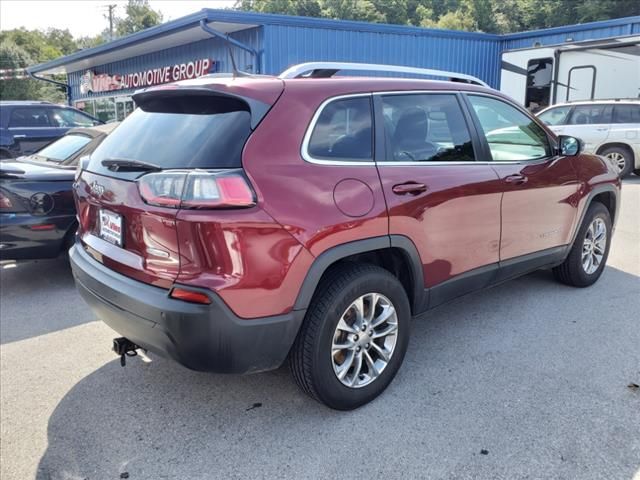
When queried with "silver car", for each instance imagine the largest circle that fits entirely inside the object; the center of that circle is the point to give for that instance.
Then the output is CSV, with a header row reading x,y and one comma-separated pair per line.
x,y
610,128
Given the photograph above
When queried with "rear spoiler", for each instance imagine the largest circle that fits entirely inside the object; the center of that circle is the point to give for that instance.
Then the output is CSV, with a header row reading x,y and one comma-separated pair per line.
x,y
167,99
10,172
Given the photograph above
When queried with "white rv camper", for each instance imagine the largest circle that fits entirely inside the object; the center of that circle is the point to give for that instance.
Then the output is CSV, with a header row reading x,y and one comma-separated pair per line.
x,y
591,70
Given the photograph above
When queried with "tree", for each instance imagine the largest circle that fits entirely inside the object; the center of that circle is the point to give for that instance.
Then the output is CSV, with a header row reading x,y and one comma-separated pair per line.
x,y
139,16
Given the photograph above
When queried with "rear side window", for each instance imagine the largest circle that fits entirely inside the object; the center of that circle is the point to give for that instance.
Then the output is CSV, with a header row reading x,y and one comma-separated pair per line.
x,y
65,117
511,135
29,117
626,114
343,131
180,132
590,115
426,128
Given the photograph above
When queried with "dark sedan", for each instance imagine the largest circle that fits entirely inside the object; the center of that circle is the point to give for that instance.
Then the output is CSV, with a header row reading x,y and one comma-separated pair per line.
x,y
37,212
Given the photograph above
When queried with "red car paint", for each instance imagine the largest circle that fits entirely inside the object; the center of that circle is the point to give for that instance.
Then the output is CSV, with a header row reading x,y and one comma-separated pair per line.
x,y
256,259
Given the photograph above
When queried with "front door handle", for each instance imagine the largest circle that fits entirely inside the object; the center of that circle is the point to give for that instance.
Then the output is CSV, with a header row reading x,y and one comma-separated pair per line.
x,y
517,179
409,188
602,129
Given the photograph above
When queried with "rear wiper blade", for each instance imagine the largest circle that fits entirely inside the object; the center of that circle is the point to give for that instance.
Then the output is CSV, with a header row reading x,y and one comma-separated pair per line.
x,y
117,165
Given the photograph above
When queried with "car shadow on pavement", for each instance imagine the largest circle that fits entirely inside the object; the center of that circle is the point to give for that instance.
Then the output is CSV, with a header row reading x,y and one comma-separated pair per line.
x,y
38,297
524,379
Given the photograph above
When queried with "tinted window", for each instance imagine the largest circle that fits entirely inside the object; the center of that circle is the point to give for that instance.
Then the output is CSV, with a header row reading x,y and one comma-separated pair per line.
x,y
65,117
539,75
210,134
64,147
626,114
510,133
343,131
423,128
29,117
555,116
590,115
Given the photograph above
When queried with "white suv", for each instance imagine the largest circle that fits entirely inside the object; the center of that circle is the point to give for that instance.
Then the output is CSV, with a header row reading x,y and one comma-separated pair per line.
x,y
610,128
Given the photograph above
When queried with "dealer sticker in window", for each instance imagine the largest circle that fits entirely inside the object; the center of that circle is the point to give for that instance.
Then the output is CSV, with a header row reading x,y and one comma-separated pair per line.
x,y
111,227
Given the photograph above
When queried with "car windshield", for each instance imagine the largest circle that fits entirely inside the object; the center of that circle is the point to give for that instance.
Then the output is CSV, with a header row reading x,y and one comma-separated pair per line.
x,y
64,148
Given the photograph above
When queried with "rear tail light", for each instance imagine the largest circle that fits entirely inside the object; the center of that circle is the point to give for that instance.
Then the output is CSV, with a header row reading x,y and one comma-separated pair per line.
x,y
197,189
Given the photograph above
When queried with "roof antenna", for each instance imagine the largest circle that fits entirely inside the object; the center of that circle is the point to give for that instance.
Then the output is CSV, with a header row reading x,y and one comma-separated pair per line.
x,y
235,71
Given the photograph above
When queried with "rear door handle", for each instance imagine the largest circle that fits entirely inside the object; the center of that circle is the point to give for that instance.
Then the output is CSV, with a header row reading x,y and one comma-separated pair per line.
x,y
409,188
602,129
517,179
19,136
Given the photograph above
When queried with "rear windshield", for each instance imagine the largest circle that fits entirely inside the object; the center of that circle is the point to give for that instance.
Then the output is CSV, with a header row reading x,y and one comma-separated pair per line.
x,y
64,148
195,133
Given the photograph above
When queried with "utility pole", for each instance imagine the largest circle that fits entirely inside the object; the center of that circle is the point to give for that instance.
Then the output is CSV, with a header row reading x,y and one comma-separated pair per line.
x,y
110,17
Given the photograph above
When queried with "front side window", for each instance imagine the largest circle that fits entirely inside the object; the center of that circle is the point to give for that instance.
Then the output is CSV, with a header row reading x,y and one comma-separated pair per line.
x,y
555,116
590,115
28,118
426,128
343,131
64,148
511,135
539,76
626,114
64,117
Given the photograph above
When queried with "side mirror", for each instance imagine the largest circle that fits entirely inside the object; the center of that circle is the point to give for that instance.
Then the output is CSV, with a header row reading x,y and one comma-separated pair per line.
x,y
569,146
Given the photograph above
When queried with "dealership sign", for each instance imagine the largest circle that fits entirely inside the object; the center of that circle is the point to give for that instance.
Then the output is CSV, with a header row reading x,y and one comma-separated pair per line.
x,y
104,82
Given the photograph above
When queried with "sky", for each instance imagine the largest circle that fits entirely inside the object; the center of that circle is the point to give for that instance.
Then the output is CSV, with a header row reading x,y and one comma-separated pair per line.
x,y
86,17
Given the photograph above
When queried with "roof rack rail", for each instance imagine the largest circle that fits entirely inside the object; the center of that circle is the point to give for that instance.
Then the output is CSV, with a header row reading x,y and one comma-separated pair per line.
x,y
328,69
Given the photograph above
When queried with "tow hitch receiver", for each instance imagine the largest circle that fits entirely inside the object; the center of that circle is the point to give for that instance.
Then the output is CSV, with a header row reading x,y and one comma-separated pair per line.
x,y
124,348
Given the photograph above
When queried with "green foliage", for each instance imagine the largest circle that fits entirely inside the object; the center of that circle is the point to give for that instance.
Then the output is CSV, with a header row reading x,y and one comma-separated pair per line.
x,y
12,57
492,16
139,17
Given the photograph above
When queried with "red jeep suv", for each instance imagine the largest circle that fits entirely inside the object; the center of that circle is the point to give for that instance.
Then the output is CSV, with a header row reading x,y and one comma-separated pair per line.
x,y
232,223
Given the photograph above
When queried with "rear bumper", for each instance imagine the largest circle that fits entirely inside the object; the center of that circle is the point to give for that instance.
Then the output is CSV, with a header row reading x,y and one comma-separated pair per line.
x,y
22,239
200,337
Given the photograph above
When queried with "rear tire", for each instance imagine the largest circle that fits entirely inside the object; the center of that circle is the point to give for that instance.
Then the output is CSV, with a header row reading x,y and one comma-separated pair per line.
x,y
621,157
336,341
588,255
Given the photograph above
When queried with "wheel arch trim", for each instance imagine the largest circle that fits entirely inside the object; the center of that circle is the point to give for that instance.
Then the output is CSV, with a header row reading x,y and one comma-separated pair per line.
x,y
597,190
344,250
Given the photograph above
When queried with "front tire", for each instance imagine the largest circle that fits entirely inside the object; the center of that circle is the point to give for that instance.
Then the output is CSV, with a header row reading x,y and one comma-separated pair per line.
x,y
621,158
354,336
588,255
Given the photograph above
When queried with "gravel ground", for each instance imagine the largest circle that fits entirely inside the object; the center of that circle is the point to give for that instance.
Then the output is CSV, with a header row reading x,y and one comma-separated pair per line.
x,y
526,380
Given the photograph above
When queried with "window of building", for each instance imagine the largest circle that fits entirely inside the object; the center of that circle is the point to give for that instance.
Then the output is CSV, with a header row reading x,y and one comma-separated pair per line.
x,y
425,128
511,135
343,131
539,76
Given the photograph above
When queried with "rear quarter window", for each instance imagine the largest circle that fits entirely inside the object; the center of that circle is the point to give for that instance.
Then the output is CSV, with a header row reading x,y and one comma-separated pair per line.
x,y
205,132
626,114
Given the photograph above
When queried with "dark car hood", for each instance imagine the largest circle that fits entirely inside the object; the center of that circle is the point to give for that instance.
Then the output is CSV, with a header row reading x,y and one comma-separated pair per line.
x,y
27,170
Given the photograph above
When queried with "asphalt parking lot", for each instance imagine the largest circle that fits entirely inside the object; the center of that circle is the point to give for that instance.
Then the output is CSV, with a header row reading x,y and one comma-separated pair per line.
x,y
530,379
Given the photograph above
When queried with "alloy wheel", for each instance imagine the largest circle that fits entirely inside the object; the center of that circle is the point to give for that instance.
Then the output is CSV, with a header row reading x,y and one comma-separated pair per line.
x,y
364,340
617,159
594,245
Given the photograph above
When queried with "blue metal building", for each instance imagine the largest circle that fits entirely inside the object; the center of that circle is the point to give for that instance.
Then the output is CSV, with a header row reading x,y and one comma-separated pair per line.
x,y
101,79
